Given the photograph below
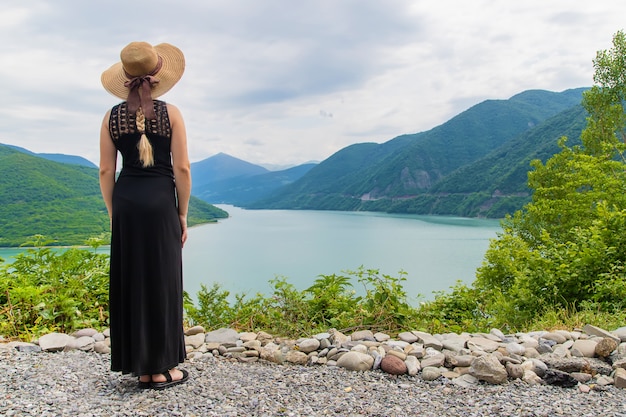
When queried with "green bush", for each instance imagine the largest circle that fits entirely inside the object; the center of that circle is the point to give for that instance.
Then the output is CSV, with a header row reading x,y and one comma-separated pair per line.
x,y
46,290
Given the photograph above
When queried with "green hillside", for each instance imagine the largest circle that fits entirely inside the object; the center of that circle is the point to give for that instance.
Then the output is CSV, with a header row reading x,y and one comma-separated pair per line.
x,y
398,174
60,201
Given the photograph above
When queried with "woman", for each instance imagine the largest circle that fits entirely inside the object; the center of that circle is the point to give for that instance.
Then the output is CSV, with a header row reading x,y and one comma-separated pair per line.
x,y
147,206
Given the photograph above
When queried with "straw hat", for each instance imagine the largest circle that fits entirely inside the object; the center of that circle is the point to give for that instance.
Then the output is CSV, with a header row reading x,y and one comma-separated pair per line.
x,y
165,63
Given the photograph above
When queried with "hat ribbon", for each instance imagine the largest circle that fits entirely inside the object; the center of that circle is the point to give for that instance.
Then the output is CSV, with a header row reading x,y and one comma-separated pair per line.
x,y
145,83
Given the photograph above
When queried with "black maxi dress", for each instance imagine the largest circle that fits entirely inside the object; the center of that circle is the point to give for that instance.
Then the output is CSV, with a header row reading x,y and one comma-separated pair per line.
x,y
145,286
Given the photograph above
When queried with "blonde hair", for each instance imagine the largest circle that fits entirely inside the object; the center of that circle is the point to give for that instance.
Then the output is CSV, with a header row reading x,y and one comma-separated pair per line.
x,y
146,155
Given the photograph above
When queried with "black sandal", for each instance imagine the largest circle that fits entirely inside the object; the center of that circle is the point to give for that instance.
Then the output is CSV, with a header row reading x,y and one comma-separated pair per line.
x,y
169,382
144,385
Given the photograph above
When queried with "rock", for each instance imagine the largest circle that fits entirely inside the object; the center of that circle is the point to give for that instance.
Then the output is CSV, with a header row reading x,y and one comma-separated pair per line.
x,y
222,336
574,364
362,335
465,381
606,346
460,360
54,342
194,330
393,365
247,336
196,340
581,377
407,337
308,345
24,347
515,349
412,365
620,333
557,337
355,361
514,371
489,369
84,332
431,373
584,348
294,356
435,360
620,378
531,378
337,338
264,338
397,354
453,342
101,347
84,343
498,333
428,340
559,378
381,337
482,344
596,331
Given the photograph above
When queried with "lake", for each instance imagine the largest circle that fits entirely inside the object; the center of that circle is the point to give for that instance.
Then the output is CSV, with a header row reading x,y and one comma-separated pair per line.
x,y
250,248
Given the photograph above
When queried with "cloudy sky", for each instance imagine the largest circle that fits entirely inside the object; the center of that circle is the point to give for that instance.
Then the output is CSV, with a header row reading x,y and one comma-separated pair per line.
x,y
285,82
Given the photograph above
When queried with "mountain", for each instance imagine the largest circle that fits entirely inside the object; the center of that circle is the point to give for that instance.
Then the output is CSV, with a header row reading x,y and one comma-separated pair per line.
x,y
57,157
220,167
225,179
398,174
60,201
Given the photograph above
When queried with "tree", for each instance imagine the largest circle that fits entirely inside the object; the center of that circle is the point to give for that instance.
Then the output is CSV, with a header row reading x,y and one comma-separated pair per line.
x,y
564,249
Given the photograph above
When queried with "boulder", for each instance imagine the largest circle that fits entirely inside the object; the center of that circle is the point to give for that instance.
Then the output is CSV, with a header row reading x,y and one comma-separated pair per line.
x,y
489,369
355,361
393,365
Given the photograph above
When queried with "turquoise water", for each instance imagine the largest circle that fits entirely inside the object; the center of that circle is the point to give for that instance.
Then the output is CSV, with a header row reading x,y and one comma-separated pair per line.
x,y
244,252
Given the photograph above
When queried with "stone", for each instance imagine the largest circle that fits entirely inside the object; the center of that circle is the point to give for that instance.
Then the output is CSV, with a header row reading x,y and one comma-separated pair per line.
x,y
398,354
460,360
453,342
531,378
84,343
296,357
581,377
428,340
84,332
362,335
25,347
433,361
393,365
465,381
194,330
54,342
482,344
355,361
381,337
606,346
514,371
619,378
597,331
264,338
559,338
308,345
101,347
585,348
498,333
196,340
247,336
515,349
430,373
412,365
222,336
559,378
337,338
620,333
407,337
489,369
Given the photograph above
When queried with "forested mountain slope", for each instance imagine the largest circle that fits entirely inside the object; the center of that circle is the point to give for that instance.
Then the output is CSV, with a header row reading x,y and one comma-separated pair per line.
x,y
373,176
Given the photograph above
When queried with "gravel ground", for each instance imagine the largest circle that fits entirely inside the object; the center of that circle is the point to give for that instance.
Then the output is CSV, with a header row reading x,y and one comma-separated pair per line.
x,y
80,384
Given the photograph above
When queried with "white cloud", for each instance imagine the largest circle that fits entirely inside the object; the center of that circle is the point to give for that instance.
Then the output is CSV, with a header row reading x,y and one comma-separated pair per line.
x,y
263,78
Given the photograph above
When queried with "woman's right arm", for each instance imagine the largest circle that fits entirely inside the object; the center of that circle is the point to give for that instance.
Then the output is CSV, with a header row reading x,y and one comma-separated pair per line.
x,y
108,161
